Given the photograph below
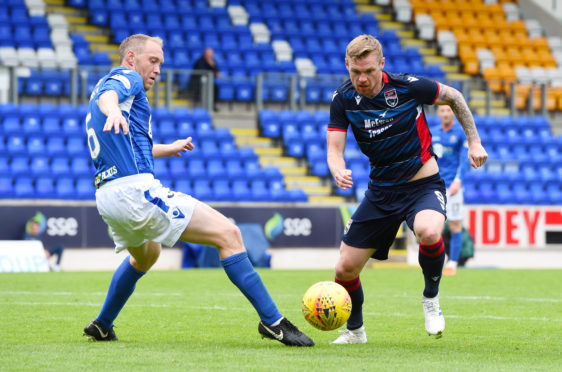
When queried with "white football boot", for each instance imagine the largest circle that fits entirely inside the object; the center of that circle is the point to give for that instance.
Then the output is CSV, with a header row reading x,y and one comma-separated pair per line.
x,y
434,319
356,336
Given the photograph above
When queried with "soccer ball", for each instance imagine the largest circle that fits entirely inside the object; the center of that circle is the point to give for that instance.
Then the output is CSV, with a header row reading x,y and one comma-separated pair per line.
x,y
326,305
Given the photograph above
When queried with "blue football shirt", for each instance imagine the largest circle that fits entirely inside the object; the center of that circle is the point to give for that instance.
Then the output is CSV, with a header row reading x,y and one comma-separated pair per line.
x,y
451,148
119,155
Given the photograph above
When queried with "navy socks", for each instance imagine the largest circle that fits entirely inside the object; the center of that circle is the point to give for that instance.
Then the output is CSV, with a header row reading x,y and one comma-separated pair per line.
x,y
431,259
241,272
355,291
122,286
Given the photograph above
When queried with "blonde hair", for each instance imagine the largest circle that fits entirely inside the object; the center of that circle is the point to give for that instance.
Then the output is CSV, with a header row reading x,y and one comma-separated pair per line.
x,y
362,46
136,43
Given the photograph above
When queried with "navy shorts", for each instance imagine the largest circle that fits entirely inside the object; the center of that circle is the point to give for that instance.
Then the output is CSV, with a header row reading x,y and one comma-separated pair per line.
x,y
376,221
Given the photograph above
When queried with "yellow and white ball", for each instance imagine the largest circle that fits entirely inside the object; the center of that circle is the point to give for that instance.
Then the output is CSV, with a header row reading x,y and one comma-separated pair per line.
x,y
326,305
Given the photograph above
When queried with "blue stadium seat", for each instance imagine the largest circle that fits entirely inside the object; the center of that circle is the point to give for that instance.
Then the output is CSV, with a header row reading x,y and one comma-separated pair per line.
x,y
184,186
221,190
19,166
85,189
215,168
76,146
202,189
12,125
240,190
259,190
45,187
6,186
55,146
23,187
80,167
35,145
65,188
40,166
175,168
295,148
60,166
234,169
16,145
277,191
196,169
31,125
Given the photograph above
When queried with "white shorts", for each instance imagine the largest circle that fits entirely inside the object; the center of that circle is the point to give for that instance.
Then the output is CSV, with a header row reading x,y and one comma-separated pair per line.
x,y
455,206
139,209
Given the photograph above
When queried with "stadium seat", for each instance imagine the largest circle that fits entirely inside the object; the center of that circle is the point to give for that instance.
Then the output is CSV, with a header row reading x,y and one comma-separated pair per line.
x,y
221,190
85,189
64,188
202,190
40,166
6,186
19,166
23,187
44,187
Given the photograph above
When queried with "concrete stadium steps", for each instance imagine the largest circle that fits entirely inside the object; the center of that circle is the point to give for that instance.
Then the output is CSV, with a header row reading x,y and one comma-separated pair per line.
x,y
477,103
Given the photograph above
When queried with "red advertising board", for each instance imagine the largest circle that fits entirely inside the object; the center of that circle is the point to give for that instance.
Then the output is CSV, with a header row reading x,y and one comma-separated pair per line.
x,y
515,226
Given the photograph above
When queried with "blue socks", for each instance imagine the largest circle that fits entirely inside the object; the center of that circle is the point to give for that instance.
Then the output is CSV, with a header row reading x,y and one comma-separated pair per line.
x,y
431,259
455,246
122,286
355,290
241,272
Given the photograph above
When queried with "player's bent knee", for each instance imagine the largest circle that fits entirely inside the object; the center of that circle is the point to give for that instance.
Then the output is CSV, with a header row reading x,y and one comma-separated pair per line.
x,y
346,270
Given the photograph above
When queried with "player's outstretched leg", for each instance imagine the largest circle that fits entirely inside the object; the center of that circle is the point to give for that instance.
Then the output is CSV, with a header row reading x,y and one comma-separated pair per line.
x,y
122,286
355,331
272,325
431,259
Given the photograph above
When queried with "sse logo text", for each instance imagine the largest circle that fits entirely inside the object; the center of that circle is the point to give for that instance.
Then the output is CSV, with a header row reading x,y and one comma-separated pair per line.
x,y
297,226
60,226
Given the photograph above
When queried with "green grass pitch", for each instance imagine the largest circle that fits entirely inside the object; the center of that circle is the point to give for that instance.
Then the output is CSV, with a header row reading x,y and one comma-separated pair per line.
x,y
196,320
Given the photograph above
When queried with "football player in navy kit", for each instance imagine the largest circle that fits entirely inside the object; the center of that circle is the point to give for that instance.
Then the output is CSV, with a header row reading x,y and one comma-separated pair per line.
x,y
141,213
385,112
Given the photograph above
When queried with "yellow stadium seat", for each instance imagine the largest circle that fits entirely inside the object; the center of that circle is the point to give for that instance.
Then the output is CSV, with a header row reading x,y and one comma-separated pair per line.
x,y
493,77
471,66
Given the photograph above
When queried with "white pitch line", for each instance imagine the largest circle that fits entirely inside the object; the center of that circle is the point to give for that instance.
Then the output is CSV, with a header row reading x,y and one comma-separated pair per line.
x,y
250,309
236,294
41,293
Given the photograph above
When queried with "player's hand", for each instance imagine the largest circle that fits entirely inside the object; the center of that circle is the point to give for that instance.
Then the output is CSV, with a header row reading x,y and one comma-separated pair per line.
x,y
182,145
114,121
343,179
477,155
455,187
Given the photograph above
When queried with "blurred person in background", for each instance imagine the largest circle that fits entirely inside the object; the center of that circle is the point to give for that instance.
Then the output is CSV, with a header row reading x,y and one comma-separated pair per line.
x,y
34,229
206,62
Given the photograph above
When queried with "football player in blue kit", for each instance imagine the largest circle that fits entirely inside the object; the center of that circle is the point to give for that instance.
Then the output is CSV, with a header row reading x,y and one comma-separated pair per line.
x,y
451,147
385,113
141,213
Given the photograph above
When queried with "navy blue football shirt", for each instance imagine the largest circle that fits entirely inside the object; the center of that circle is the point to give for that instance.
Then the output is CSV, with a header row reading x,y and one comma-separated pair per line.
x,y
390,128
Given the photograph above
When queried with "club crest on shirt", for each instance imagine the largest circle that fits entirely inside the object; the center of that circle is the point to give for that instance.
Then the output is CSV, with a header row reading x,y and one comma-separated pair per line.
x,y
391,97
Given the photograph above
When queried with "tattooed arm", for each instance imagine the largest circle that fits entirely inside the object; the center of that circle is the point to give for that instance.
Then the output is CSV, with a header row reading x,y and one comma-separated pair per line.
x,y
451,97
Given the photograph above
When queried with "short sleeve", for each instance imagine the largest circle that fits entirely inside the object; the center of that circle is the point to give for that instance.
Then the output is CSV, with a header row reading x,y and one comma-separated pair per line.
x,y
338,119
126,83
424,90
